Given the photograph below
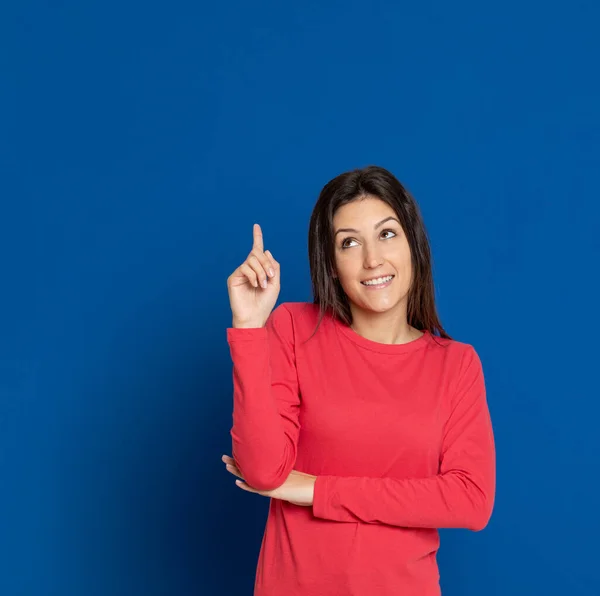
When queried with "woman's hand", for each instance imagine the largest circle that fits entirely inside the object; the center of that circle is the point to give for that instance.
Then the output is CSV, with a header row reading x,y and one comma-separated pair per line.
x,y
298,489
254,286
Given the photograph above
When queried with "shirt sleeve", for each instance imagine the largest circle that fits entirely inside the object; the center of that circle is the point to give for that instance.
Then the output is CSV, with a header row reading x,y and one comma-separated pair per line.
x,y
461,495
266,400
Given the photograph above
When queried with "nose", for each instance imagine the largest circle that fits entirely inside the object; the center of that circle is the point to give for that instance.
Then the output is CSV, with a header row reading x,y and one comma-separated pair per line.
x,y
372,257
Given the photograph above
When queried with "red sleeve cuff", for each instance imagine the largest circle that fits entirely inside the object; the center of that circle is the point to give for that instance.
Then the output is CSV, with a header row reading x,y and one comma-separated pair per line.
x,y
246,334
323,497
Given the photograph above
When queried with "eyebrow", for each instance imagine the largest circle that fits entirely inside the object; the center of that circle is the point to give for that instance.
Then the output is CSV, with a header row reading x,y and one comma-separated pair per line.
x,y
376,226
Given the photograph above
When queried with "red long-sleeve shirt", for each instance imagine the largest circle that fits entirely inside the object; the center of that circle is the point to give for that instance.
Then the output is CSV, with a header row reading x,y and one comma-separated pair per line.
x,y
399,436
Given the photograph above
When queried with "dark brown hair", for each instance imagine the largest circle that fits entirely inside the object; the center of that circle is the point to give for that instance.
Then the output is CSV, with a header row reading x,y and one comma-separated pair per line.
x,y
350,186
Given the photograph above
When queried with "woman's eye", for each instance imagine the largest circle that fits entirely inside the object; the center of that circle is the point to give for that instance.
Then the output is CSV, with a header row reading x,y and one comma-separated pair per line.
x,y
389,232
345,243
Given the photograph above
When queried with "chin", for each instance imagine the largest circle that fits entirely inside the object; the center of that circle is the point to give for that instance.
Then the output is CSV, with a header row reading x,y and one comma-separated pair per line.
x,y
376,307
380,310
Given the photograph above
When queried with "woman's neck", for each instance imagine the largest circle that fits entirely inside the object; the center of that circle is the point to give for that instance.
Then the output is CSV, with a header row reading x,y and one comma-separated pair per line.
x,y
386,328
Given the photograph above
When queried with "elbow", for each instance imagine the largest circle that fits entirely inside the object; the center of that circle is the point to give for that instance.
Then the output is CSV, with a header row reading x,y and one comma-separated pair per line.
x,y
481,515
477,503
478,523
263,482
262,479
265,471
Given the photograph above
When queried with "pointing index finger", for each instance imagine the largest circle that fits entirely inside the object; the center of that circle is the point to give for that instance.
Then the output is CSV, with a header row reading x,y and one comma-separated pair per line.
x,y
258,238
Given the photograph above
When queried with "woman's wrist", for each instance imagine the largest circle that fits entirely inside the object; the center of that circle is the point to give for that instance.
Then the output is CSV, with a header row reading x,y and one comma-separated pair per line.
x,y
247,324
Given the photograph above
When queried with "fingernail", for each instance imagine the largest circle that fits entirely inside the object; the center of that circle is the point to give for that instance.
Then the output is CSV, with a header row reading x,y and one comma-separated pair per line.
x,y
263,283
271,272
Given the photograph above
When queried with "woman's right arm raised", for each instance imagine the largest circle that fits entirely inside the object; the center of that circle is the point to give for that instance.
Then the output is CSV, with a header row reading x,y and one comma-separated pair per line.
x,y
266,396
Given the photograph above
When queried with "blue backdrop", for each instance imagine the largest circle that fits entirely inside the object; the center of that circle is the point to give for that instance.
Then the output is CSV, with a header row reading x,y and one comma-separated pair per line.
x,y
139,142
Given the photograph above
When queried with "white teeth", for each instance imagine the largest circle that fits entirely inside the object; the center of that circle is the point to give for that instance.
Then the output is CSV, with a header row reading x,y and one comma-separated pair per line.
x,y
379,280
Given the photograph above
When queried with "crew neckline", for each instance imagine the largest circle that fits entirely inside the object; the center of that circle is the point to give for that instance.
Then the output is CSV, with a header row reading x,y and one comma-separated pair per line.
x,y
369,344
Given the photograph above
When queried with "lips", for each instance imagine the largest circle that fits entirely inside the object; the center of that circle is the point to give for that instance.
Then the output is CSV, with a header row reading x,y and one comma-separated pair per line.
x,y
376,281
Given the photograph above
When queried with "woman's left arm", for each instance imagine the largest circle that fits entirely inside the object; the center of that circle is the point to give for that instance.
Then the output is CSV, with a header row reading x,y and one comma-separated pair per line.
x,y
460,496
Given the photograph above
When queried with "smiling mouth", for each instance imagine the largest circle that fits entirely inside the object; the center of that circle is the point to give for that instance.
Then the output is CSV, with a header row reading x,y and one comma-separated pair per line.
x,y
378,281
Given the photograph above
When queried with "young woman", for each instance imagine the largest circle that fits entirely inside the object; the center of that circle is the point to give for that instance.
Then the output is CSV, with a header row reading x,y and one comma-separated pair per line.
x,y
358,415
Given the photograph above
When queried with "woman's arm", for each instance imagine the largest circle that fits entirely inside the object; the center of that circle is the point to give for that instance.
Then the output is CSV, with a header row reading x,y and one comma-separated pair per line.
x,y
266,400
461,495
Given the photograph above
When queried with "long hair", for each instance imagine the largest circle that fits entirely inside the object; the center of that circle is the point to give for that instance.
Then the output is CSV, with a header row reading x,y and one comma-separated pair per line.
x,y
328,293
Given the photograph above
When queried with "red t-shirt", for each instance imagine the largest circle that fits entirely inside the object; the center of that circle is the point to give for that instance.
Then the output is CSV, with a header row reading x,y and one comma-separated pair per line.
x,y
399,436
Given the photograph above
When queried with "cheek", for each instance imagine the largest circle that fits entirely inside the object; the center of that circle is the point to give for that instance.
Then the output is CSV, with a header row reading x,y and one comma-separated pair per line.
x,y
347,268
404,269
399,258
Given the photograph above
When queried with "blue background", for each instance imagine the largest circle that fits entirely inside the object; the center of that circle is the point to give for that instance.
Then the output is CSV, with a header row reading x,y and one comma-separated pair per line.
x,y
139,142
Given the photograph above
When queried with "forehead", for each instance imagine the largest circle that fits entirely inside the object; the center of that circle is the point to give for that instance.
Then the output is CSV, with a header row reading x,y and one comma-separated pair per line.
x,y
362,211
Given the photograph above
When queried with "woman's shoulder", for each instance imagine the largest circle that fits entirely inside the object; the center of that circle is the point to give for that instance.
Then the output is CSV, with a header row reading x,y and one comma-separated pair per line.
x,y
460,354
297,320
453,344
300,313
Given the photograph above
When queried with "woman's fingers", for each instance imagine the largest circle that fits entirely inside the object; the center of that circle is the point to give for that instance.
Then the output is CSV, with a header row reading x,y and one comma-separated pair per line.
x,y
273,264
258,238
259,265
235,471
258,250
249,273
230,465
258,268
264,260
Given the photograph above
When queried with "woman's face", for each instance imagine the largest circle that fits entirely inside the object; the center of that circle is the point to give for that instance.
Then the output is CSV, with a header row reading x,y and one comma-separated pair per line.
x,y
370,246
